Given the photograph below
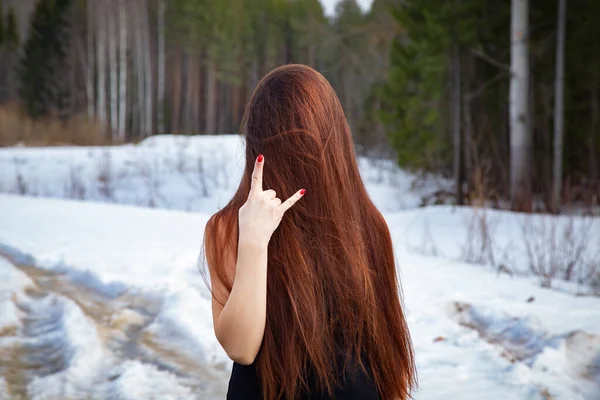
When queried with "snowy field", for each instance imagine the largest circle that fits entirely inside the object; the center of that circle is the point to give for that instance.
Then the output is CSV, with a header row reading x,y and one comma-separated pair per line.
x,y
104,301
174,172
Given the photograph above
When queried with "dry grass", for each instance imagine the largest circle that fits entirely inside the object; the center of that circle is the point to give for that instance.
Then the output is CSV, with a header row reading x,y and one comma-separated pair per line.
x,y
18,128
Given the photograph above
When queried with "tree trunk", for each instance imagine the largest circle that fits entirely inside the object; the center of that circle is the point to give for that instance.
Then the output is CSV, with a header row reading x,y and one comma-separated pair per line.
x,y
520,140
235,100
592,137
132,122
147,64
469,148
186,90
80,75
113,67
67,93
89,67
222,107
101,60
122,70
456,120
547,111
199,93
139,68
193,102
559,107
211,97
347,96
160,102
176,95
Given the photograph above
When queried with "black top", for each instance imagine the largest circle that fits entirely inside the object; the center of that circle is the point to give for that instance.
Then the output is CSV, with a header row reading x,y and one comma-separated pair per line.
x,y
245,385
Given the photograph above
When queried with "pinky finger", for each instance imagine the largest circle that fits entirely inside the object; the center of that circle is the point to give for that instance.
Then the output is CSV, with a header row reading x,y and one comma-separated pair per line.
x,y
286,205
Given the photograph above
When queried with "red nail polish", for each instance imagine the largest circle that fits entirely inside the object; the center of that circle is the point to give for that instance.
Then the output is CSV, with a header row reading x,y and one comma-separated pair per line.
x,y
302,191
260,158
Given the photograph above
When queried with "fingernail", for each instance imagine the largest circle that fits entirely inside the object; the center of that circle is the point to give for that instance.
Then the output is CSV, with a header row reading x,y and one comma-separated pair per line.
x,y
302,191
260,158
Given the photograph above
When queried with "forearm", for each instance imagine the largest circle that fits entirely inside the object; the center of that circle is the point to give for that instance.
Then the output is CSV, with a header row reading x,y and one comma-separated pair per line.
x,y
241,325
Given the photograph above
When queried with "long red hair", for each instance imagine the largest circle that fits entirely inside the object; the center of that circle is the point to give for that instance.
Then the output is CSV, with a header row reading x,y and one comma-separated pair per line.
x,y
331,268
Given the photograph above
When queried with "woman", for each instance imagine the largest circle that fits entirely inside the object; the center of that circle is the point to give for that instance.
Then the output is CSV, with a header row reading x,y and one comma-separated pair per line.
x,y
305,293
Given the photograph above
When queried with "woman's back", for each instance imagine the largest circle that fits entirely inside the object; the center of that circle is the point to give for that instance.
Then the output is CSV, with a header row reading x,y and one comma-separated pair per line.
x,y
355,384
321,276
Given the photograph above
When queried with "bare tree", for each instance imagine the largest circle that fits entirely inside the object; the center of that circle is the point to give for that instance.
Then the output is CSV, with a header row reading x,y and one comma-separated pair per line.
x,y
100,7
89,77
160,104
138,62
147,64
211,97
113,66
559,106
594,107
176,91
456,123
520,140
122,70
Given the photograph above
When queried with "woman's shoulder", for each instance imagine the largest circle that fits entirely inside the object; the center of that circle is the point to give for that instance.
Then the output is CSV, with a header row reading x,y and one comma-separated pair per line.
x,y
220,254
219,225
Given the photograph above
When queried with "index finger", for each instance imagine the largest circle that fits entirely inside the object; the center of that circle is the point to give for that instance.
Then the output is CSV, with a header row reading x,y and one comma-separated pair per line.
x,y
286,205
257,174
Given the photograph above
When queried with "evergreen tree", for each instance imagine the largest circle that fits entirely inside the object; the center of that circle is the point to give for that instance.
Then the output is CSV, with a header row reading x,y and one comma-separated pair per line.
x,y
1,25
418,109
11,34
411,110
346,58
308,28
429,77
415,96
9,43
44,56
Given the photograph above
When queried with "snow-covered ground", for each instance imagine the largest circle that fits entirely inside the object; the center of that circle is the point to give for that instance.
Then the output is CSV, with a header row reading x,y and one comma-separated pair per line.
x,y
104,301
175,172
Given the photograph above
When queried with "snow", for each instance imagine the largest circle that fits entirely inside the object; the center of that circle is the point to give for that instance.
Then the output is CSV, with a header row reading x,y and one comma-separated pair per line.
x,y
112,296
329,6
455,233
465,365
12,281
174,172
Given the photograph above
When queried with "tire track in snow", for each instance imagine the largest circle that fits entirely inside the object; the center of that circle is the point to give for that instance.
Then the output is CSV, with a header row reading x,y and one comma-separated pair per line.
x,y
122,321
33,349
523,340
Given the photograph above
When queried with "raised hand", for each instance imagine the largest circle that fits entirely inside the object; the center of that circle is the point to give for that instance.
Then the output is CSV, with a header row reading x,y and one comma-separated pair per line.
x,y
261,214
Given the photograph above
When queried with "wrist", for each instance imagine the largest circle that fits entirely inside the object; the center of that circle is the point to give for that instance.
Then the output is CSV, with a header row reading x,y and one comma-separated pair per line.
x,y
252,243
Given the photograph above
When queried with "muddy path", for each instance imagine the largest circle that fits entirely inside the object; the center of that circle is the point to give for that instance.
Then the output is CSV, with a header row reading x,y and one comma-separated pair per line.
x,y
121,321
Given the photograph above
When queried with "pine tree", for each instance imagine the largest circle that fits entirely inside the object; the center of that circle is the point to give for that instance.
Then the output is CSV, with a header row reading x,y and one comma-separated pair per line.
x,y
1,25
415,87
11,33
9,36
44,56
416,109
9,44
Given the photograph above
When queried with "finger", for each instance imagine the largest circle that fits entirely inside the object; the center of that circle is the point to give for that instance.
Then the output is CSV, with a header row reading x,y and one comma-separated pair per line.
x,y
277,201
286,205
257,174
270,194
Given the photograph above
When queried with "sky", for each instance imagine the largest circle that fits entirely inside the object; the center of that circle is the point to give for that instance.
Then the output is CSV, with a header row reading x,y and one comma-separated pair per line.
x,y
329,5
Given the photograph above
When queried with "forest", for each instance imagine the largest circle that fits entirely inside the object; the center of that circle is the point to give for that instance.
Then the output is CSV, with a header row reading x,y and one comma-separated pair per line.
x,y
501,96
